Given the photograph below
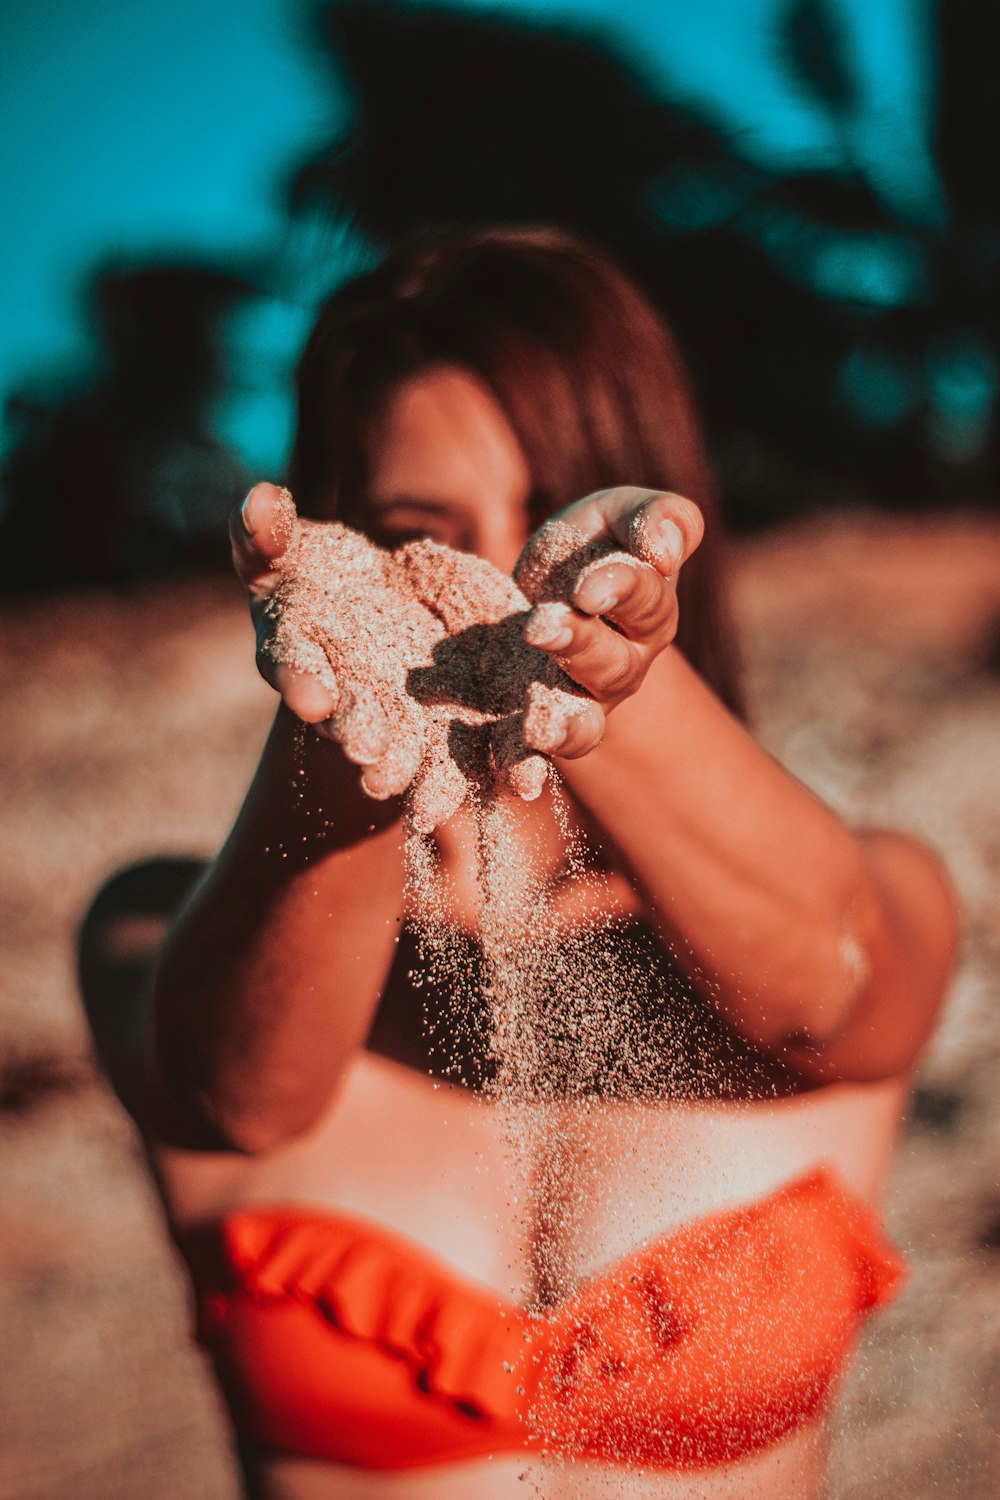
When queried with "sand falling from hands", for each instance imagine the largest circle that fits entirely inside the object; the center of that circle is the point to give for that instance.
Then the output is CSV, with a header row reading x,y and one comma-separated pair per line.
x,y
440,700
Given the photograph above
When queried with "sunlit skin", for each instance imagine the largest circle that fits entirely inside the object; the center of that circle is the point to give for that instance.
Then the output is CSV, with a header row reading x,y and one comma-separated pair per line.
x,y
828,948
449,467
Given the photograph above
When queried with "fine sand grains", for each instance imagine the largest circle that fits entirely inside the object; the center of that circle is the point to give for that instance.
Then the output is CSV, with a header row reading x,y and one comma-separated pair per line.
x,y
423,650
436,692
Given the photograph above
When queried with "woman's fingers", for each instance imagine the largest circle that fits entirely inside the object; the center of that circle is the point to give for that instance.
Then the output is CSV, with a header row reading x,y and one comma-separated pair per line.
x,y
519,769
584,732
605,663
651,526
660,528
603,573
609,663
300,672
360,727
642,603
260,530
602,662
560,723
392,773
308,698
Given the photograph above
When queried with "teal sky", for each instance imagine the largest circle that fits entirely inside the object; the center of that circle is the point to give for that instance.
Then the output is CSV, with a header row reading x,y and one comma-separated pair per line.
x,y
134,127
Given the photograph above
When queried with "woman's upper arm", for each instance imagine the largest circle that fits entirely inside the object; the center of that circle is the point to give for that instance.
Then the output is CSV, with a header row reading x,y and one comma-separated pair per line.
x,y
912,957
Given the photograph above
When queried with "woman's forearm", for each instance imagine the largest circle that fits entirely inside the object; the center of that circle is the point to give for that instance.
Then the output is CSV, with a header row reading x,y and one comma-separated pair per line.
x,y
764,890
270,978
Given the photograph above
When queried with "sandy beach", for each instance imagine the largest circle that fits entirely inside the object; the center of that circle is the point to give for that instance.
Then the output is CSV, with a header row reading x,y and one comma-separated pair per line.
x,y
131,725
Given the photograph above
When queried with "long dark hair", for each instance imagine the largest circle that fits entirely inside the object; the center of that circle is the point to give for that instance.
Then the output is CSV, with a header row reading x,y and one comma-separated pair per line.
x,y
577,358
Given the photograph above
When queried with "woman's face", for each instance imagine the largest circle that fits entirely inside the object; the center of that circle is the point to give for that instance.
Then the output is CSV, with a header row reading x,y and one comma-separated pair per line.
x,y
446,464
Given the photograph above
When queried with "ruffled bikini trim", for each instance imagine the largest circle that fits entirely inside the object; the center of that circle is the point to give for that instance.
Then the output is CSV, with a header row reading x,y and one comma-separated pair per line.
x,y
704,1345
461,1341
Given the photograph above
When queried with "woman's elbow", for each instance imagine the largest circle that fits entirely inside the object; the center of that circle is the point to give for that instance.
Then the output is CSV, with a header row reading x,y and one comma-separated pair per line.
x,y
257,1132
895,957
226,1108
246,1127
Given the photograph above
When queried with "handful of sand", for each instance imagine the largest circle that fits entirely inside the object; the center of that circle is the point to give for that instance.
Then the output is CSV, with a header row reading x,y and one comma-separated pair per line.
x,y
423,650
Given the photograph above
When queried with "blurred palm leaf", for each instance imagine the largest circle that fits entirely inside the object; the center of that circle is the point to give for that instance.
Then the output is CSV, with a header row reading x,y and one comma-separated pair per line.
x,y
814,48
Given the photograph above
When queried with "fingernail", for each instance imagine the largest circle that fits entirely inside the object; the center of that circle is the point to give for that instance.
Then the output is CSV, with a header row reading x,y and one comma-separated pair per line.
x,y
546,627
247,514
668,534
553,641
601,605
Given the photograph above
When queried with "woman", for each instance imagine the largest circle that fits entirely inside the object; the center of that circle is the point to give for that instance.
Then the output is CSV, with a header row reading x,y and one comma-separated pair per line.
x,y
349,1218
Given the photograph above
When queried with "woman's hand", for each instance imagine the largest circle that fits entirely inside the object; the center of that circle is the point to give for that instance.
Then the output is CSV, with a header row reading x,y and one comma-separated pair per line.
x,y
261,530
310,665
307,635
611,561
414,661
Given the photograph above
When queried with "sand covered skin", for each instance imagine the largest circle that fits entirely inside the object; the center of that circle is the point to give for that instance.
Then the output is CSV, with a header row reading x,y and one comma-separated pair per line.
x,y
437,689
424,652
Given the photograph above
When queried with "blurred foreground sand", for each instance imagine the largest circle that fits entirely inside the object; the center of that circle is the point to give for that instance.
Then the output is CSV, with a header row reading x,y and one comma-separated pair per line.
x,y
130,728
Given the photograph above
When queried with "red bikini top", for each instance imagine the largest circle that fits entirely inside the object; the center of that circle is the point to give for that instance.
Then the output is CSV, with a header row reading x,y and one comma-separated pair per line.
x,y
336,1340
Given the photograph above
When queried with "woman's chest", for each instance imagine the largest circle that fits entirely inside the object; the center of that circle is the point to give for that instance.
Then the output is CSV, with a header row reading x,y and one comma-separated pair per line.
x,y
421,1159
533,1198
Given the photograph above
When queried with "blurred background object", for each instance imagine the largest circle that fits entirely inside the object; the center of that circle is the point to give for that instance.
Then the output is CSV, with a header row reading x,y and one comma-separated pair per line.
x,y
125,476
808,189
805,187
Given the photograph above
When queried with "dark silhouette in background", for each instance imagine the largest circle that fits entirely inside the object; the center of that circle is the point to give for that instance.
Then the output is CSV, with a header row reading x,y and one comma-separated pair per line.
x,y
843,346
122,478
118,941
839,348
464,119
